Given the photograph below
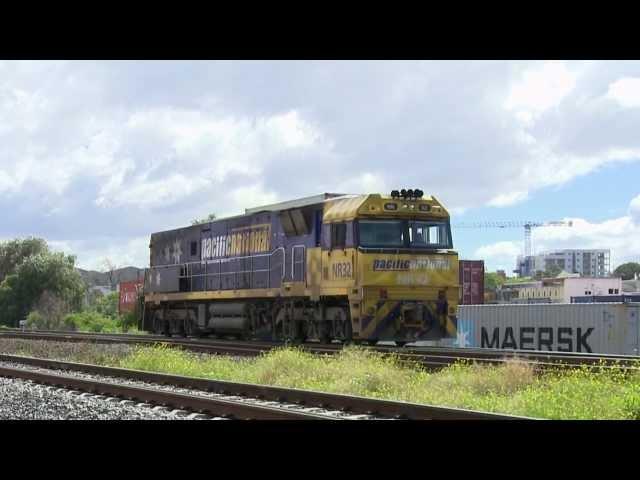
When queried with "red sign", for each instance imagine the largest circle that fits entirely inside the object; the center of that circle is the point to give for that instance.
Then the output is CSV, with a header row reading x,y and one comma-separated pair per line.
x,y
128,296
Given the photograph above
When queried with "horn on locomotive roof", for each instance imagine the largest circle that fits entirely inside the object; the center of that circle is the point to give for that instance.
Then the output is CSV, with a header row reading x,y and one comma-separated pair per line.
x,y
407,193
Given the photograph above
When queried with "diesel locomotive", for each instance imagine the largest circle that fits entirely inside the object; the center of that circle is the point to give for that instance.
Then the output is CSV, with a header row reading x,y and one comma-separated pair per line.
x,y
353,268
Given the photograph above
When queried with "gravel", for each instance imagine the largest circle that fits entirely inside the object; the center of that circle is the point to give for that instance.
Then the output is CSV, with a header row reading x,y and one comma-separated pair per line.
x,y
25,400
122,381
82,352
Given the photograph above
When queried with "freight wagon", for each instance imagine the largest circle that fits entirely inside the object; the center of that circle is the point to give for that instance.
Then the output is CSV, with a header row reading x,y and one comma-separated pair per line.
x,y
471,282
129,296
329,267
609,328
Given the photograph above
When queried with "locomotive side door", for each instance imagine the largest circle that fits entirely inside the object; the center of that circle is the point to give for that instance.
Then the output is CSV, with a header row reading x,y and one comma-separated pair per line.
x,y
207,265
298,259
338,256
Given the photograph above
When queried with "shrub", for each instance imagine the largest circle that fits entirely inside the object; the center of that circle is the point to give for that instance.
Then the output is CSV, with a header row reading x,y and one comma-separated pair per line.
x,y
91,322
35,320
128,321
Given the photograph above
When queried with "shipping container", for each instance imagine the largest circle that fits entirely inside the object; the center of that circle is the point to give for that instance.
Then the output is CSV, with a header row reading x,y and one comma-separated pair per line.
x,y
609,328
471,282
606,299
128,296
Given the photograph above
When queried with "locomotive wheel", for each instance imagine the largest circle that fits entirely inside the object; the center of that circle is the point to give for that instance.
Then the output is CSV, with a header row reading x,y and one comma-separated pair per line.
x,y
348,332
158,326
278,334
190,329
300,334
324,332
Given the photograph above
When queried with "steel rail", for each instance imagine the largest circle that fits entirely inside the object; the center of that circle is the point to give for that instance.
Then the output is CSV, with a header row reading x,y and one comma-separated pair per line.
x,y
430,357
348,403
212,406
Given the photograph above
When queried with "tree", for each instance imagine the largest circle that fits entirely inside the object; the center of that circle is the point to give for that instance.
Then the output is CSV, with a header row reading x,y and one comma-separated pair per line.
x,y
627,271
14,252
53,272
107,305
48,312
492,280
110,268
552,271
210,218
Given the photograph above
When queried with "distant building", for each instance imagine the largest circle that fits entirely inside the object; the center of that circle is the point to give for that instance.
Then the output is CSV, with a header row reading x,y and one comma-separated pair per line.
x,y
631,286
587,263
562,290
102,289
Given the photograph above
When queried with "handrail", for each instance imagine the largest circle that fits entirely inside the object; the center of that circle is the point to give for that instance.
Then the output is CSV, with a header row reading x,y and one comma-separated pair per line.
x,y
218,260
187,268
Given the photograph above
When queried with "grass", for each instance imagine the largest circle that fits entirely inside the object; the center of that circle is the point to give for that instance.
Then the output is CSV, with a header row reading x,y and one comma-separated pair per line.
x,y
514,387
510,388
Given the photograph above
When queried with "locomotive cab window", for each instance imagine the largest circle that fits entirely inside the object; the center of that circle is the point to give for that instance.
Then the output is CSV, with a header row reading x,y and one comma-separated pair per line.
x,y
382,233
404,234
194,249
429,234
338,235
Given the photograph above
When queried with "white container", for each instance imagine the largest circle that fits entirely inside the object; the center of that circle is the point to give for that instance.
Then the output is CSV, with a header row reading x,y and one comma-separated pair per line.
x,y
611,328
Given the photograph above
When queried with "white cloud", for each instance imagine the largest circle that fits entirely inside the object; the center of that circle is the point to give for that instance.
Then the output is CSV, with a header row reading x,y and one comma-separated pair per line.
x,y
249,197
507,199
634,209
367,182
120,251
617,234
92,148
502,253
625,91
541,88
204,150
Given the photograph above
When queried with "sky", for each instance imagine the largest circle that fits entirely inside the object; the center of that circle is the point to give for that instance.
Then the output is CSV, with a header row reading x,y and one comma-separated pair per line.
x,y
97,155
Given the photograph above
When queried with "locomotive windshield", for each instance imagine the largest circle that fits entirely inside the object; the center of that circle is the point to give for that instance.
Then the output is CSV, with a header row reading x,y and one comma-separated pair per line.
x,y
404,234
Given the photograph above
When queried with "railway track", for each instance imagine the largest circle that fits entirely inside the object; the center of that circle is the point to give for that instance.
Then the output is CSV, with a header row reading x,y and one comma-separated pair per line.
x,y
429,357
238,399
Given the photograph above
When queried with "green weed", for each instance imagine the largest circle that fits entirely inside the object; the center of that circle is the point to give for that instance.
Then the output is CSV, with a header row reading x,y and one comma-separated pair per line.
x,y
513,387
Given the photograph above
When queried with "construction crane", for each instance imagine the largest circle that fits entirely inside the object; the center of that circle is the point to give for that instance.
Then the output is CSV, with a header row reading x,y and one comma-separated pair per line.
x,y
528,226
